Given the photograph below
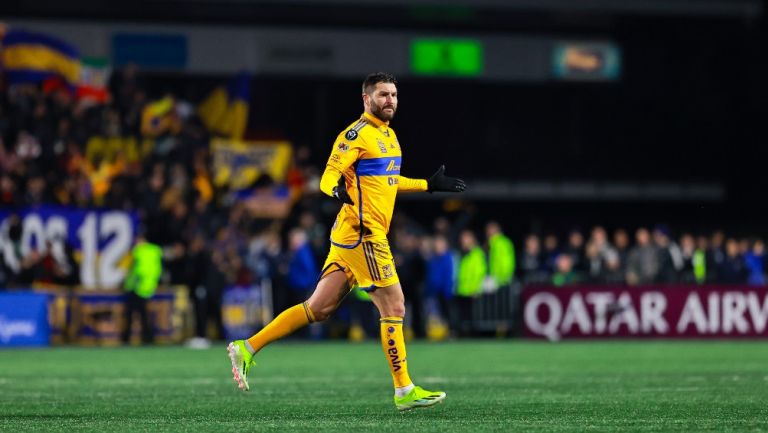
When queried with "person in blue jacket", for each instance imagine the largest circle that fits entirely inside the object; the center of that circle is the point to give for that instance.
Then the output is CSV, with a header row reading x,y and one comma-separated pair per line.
x,y
440,283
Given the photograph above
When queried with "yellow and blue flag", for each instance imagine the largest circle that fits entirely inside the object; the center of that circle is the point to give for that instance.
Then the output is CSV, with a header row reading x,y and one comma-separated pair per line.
x,y
225,110
34,57
159,117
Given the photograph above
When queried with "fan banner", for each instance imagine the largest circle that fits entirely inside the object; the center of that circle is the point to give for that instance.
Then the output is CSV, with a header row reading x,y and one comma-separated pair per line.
x,y
99,239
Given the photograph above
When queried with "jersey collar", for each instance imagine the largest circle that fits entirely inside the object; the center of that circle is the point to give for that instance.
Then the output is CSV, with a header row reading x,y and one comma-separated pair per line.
x,y
374,120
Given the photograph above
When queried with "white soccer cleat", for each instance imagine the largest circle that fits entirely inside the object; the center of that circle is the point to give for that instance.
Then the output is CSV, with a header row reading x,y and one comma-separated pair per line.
x,y
241,360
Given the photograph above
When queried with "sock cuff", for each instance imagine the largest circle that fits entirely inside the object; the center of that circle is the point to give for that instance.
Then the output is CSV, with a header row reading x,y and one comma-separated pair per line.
x,y
308,312
394,319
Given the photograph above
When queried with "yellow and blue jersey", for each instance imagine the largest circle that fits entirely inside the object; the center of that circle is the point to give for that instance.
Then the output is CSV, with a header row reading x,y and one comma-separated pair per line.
x,y
368,155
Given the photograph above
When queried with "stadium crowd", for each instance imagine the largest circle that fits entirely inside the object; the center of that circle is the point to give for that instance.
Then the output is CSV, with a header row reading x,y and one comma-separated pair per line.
x,y
58,150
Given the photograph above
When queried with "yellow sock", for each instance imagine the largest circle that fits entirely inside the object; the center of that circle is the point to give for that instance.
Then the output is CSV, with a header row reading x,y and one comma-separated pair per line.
x,y
393,342
284,324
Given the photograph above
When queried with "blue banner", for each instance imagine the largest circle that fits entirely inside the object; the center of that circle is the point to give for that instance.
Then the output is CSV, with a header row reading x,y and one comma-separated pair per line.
x,y
24,319
102,238
164,51
244,310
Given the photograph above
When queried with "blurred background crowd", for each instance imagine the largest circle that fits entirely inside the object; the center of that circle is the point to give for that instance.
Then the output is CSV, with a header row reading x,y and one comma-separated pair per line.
x,y
57,150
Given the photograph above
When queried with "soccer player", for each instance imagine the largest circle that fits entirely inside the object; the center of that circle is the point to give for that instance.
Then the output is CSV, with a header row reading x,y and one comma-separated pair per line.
x,y
363,172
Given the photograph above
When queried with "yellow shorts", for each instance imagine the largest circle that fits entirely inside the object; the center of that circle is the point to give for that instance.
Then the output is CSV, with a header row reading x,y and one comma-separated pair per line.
x,y
369,265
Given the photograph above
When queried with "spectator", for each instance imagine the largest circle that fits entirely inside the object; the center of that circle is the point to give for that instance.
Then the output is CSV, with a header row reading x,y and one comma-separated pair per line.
x,y
501,255
472,270
59,263
700,269
732,270
564,274
37,191
600,238
670,258
441,278
601,258
411,270
302,269
174,238
744,246
594,262
140,284
196,264
531,264
8,192
755,261
715,255
687,253
316,233
551,251
643,260
613,272
575,249
621,244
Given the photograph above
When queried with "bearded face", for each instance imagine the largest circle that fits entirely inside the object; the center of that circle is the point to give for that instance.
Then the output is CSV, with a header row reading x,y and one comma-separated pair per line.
x,y
385,112
382,101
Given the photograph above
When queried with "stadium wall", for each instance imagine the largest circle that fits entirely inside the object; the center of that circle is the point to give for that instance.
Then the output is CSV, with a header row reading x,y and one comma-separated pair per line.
x,y
293,52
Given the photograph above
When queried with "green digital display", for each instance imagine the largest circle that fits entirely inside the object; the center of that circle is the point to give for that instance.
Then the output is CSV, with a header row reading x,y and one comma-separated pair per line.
x,y
447,57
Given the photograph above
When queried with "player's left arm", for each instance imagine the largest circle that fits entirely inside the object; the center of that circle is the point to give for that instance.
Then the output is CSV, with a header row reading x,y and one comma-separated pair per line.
x,y
406,184
437,182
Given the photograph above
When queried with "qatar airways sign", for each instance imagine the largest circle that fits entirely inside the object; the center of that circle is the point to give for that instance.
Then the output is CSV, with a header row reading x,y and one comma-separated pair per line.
x,y
666,312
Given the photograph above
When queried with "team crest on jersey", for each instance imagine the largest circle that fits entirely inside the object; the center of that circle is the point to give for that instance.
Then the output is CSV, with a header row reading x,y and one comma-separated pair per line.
x,y
382,146
387,270
343,147
351,135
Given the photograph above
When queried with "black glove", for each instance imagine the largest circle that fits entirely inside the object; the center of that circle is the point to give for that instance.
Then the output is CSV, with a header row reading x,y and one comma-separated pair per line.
x,y
340,192
440,182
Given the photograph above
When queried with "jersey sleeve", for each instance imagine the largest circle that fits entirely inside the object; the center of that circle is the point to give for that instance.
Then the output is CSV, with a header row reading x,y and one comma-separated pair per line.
x,y
344,153
406,184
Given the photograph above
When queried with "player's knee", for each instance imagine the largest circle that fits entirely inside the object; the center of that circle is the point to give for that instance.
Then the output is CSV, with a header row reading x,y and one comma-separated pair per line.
x,y
397,310
322,312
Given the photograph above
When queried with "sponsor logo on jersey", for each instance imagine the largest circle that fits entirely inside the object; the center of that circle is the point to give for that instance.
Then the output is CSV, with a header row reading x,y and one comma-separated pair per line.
x,y
392,166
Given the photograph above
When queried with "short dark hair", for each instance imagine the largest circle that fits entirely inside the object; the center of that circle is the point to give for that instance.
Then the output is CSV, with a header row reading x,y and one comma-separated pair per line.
x,y
377,77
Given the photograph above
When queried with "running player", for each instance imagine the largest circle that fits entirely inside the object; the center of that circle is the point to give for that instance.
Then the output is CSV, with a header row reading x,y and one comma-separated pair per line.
x,y
363,172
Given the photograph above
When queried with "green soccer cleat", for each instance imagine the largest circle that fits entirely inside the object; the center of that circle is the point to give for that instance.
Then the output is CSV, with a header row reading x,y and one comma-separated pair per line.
x,y
242,361
419,397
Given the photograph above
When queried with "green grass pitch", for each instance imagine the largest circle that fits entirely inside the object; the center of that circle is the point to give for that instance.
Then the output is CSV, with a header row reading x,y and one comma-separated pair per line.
x,y
507,385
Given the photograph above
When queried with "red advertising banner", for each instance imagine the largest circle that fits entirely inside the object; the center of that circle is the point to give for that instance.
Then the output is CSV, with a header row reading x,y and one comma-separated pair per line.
x,y
645,312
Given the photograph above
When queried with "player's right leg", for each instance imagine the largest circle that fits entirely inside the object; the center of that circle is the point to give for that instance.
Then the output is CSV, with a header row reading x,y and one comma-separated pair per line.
x,y
329,292
390,302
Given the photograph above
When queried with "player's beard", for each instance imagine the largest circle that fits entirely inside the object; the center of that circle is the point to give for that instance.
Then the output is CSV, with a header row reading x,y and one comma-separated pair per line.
x,y
381,114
